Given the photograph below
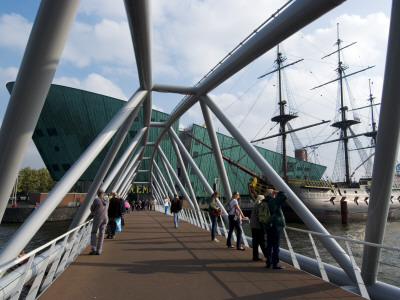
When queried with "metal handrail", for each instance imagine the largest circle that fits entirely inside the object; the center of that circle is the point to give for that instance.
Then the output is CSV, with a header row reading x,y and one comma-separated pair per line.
x,y
44,268
345,239
315,266
10,264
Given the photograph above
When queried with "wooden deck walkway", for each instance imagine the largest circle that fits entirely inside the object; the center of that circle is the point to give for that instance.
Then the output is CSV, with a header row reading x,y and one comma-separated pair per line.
x,y
151,259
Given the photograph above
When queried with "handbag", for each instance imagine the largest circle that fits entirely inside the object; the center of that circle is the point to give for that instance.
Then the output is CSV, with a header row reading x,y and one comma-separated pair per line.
x,y
216,212
118,221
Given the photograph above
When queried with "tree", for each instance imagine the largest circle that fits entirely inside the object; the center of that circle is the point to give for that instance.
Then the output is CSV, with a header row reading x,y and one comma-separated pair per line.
x,y
31,180
28,180
45,181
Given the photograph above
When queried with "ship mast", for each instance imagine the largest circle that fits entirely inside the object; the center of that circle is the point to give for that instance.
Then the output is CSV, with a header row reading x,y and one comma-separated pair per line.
x,y
283,117
371,101
344,124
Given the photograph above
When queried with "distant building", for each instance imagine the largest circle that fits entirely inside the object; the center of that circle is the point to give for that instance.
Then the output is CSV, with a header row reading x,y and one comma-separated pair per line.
x,y
71,119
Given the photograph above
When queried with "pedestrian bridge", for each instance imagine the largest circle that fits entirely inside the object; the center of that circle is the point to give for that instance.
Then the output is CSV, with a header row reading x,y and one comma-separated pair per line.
x,y
151,259
158,258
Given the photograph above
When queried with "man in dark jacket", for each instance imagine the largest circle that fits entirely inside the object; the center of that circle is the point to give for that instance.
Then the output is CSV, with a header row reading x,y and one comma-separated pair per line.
x,y
176,206
274,227
114,213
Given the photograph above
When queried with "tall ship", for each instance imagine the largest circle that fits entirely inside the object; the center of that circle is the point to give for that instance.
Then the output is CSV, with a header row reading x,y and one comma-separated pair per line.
x,y
341,199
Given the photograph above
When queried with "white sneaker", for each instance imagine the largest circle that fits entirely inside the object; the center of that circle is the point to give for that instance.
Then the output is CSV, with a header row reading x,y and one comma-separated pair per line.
x,y
216,240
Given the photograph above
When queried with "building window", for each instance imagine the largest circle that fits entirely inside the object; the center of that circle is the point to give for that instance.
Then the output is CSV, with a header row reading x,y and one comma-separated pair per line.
x,y
132,134
179,172
136,119
152,119
52,131
55,167
39,132
56,148
66,167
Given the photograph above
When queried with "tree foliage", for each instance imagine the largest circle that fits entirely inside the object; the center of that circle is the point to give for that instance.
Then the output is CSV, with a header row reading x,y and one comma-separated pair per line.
x,y
32,180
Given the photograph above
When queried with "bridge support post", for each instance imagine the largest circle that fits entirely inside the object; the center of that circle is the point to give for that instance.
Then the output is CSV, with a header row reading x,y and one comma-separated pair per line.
x,y
128,172
169,176
178,182
160,175
84,210
305,215
160,190
38,66
386,150
127,183
186,176
197,171
121,165
216,150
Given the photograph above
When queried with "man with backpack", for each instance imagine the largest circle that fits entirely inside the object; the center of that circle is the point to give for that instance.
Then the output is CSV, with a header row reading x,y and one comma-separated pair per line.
x,y
273,220
257,230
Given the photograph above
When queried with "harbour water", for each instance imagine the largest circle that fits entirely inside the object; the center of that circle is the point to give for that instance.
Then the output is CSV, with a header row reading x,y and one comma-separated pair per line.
x,y
48,232
389,268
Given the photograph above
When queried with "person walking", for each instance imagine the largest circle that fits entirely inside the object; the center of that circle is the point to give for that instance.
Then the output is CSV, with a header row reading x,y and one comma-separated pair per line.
x,y
235,220
213,206
166,205
114,213
176,207
257,230
274,227
100,220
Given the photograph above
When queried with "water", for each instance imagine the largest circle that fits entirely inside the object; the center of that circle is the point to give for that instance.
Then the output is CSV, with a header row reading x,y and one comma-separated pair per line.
x,y
389,268
48,232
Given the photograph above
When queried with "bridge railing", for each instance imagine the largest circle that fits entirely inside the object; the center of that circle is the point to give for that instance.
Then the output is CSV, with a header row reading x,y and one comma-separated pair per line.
x,y
313,258
31,274
389,261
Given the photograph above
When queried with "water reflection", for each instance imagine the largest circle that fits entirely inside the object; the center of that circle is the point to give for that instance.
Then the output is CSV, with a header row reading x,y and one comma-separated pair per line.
x,y
389,270
48,232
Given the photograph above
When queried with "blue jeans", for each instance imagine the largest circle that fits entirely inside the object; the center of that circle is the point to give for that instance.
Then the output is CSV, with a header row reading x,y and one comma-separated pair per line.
x,y
272,249
213,226
166,210
234,224
176,219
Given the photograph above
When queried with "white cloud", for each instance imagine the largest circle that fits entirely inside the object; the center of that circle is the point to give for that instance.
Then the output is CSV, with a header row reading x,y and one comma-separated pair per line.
x,y
155,107
94,83
104,8
105,42
8,74
201,36
14,31
190,37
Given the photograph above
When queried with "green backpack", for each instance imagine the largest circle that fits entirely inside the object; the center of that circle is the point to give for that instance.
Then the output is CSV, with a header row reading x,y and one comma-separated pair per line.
x,y
263,213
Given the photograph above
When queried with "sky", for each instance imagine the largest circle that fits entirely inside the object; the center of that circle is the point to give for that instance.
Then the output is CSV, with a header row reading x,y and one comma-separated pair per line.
x,y
190,37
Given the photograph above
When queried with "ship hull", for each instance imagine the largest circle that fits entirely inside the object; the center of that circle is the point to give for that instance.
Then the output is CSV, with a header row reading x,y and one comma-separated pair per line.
x,y
339,204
